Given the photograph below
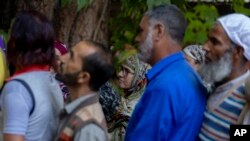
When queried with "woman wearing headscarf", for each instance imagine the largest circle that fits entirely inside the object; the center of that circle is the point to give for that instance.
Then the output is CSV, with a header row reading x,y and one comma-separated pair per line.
x,y
194,55
109,99
132,81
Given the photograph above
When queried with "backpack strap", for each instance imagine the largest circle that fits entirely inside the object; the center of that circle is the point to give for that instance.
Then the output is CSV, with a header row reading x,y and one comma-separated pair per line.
x,y
29,91
74,123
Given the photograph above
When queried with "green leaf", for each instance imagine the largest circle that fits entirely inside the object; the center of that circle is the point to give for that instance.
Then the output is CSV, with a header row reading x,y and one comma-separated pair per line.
x,y
83,4
65,2
129,35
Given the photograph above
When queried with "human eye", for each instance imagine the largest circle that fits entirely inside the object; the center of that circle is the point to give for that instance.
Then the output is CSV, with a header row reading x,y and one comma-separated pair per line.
x,y
213,40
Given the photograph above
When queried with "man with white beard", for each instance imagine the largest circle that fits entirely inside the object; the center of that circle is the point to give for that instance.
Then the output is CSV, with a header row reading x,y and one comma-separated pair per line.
x,y
173,103
227,53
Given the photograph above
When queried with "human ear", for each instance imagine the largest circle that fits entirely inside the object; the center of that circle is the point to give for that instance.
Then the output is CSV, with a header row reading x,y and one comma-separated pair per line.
x,y
159,31
239,52
83,77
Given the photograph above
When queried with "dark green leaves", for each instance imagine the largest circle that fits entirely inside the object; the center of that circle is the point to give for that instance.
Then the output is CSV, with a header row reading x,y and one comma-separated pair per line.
x,y
80,3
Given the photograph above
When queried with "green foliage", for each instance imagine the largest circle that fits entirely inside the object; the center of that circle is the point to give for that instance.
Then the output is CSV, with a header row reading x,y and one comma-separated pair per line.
x,y
200,19
124,25
65,2
123,28
238,6
152,3
80,3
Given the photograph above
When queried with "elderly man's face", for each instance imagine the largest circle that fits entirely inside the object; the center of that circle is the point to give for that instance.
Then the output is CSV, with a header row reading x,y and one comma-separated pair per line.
x,y
144,40
218,57
217,45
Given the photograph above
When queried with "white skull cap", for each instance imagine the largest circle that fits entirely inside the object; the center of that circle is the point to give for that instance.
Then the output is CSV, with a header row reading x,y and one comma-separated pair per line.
x,y
237,27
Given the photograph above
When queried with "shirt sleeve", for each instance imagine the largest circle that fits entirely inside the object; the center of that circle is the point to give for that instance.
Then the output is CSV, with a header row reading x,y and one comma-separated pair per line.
x,y
16,104
90,132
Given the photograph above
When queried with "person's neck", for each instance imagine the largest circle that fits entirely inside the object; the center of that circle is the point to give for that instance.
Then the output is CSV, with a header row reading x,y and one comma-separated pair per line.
x,y
237,72
163,49
78,91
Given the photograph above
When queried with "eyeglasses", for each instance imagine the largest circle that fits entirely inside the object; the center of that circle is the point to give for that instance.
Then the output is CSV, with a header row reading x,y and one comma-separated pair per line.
x,y
125,71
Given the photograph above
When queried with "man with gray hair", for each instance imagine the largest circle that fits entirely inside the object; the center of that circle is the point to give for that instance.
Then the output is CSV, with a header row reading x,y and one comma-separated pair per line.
x,y
227,53
174,99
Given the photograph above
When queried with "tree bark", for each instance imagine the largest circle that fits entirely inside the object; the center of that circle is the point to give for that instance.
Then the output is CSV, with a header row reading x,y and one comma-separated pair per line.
x,y
43,6
89,23
72,26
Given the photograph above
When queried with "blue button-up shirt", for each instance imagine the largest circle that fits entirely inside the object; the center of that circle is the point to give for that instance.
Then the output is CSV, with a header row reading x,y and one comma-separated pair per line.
x,y
172,106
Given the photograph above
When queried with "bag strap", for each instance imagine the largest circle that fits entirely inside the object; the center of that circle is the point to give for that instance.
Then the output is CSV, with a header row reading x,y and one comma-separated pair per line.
x,y
29,91
89,121
88,101
76,124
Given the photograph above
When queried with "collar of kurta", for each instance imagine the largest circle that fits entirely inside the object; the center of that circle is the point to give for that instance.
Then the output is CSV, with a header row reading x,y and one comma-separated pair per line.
x,y
30,69
162,64
231,84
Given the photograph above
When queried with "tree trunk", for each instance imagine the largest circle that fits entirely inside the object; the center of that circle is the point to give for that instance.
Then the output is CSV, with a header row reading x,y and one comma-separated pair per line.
x,y
89,23
72,26
43,6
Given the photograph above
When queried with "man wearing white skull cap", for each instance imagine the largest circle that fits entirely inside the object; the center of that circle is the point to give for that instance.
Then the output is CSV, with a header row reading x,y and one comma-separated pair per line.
x,y
227,52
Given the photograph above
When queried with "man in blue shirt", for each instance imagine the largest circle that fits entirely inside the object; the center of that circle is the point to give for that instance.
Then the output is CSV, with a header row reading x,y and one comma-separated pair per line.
x,y
172,106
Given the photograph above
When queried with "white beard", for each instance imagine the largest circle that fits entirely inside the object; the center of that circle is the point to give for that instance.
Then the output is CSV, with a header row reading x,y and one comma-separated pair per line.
x,y
145,48
217,71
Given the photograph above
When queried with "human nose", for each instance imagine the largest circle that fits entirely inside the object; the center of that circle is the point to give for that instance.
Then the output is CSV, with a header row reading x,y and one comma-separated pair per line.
x,y
120,74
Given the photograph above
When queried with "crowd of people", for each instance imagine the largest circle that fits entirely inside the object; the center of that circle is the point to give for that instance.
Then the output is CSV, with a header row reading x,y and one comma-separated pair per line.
x,y
50,92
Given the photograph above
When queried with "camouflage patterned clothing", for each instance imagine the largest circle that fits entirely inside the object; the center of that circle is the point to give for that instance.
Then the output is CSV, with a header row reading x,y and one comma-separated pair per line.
x,y
128,102
120,120
109,100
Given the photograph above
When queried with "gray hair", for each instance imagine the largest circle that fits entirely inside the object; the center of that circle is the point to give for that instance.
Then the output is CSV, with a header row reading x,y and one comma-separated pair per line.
x,y
171,17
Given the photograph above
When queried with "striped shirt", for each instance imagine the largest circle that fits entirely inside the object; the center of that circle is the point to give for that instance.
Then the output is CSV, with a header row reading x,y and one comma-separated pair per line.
x,y
223,109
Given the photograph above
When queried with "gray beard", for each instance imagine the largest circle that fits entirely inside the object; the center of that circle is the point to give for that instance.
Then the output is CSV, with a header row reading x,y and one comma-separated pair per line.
x,y
145,48
216,71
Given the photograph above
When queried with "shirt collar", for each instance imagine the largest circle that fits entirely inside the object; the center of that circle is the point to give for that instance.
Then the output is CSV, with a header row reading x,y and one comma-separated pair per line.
x,y
232,83
30,69
72,105
162,64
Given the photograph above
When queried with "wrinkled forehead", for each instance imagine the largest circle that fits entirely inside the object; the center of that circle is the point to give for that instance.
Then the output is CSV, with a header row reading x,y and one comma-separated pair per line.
x,y
218,32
